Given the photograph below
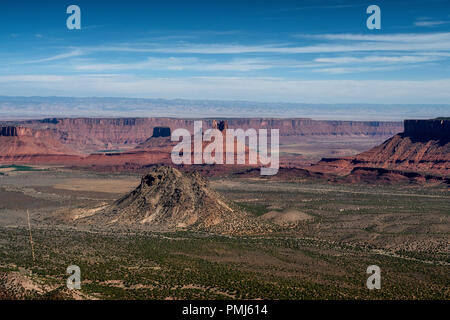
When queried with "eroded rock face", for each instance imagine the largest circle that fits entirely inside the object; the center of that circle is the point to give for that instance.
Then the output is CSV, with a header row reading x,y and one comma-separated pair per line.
x,y
167,198
89,134
25,145
423,147
11,131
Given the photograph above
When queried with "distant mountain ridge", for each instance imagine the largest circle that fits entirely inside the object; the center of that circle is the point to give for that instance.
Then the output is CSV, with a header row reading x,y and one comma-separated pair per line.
x,y
46,107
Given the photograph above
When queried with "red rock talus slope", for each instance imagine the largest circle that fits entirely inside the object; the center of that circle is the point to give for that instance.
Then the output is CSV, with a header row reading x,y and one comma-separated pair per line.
x,y
24,145
158,148
154,150
159,139
424,147
93,134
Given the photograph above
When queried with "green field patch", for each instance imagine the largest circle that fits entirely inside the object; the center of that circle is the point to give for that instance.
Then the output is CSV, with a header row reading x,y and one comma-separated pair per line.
x,y
21,168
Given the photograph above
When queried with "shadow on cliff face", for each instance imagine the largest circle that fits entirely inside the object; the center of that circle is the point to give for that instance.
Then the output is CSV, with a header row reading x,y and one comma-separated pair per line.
x,y
425,130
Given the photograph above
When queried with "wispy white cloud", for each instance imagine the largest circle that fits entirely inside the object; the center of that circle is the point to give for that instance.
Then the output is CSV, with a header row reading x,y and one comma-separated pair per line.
x,y
352,64
395,37
378,59
70,54
344,70
359,49
429,22
180,64
328,54
331,43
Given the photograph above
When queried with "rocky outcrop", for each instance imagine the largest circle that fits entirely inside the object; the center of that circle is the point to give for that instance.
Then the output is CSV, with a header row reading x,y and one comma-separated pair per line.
x,y
169,199
423,147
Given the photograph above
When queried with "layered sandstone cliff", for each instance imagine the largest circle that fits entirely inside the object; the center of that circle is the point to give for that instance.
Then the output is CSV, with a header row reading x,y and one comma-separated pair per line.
x,y
423,147
11,131
93,134
26,145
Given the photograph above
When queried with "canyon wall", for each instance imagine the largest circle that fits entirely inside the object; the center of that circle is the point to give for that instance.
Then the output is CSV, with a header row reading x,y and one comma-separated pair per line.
x,y
90,134
26,145
11,131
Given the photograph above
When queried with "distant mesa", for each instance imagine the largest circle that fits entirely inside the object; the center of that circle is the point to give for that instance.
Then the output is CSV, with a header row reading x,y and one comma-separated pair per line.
x,y
135,143
159,141
92,134
50,120
161,132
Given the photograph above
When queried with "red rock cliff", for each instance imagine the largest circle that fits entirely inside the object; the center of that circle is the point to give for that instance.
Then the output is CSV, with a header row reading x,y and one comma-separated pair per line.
x,y
11,131
91,134
424,147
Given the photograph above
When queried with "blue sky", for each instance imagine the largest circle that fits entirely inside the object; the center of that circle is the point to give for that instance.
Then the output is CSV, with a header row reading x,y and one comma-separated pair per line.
x,y
283,51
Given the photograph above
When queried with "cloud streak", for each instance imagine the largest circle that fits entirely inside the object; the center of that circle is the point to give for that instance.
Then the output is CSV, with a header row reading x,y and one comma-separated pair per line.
x,y
352,43
180,64
62,56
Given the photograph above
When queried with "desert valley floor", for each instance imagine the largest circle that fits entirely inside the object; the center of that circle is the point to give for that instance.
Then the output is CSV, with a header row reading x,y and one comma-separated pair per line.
x,y
324,236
